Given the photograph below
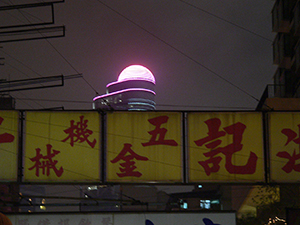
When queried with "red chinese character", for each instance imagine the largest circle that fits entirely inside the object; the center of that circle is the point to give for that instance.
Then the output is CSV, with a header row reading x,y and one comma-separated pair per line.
x,y
291,164
211,165
5,137
291,135
128,167
158,134
79,132
46,163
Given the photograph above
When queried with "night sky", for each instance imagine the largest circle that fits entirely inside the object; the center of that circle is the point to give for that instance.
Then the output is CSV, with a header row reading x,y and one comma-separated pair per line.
x,y
204,54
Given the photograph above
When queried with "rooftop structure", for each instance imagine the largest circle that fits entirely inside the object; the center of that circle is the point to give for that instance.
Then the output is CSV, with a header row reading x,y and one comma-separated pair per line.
x,y
134,90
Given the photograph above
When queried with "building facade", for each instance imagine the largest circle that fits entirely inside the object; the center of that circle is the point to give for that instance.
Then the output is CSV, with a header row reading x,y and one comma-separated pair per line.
x,y
286,51
283,94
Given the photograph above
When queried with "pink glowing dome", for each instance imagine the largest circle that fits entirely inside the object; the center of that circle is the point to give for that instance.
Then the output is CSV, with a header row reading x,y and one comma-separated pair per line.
x,y
136,72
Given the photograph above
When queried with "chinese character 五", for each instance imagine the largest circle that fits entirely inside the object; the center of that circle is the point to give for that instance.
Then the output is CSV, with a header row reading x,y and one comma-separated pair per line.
x,y
158,134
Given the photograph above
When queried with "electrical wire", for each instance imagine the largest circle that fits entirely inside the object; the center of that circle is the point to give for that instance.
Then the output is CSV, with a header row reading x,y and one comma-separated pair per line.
x,y
23,64
161,105
22,73
178,50
92,88
227,21
57,51
108,151
204,106
70,64
187,56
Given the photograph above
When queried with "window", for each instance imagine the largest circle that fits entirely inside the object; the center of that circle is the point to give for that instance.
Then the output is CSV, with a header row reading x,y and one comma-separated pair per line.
x,y
205,204
183,204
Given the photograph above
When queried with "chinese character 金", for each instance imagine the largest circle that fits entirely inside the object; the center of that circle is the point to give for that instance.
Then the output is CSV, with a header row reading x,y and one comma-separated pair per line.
x,y
46,163
211,165
79,132
158,134
128,167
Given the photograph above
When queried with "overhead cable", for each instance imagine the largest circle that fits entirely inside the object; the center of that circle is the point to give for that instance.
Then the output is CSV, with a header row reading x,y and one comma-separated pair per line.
x,y
227,21
179,51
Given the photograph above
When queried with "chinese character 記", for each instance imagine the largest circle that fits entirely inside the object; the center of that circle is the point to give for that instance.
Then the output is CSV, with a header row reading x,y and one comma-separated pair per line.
x,y
211,165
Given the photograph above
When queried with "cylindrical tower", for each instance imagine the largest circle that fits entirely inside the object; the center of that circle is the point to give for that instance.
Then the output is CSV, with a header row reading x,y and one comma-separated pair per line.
x,y
134,90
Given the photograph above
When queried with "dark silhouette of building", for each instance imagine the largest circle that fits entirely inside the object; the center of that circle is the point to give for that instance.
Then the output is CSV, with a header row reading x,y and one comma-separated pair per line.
x,y
284,93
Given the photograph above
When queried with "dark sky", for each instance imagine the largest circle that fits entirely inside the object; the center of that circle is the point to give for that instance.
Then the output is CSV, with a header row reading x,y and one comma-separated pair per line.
x,y
204,54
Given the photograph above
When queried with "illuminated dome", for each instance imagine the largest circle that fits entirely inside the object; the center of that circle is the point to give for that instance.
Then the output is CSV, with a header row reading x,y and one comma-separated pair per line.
x,y
136,72
134,90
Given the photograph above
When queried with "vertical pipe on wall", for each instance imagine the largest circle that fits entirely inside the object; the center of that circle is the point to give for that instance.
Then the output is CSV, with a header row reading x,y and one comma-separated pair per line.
x,y
266,146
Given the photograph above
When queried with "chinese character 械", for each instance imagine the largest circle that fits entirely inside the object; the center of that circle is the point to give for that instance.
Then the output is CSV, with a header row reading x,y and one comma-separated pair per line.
x,y
46,163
